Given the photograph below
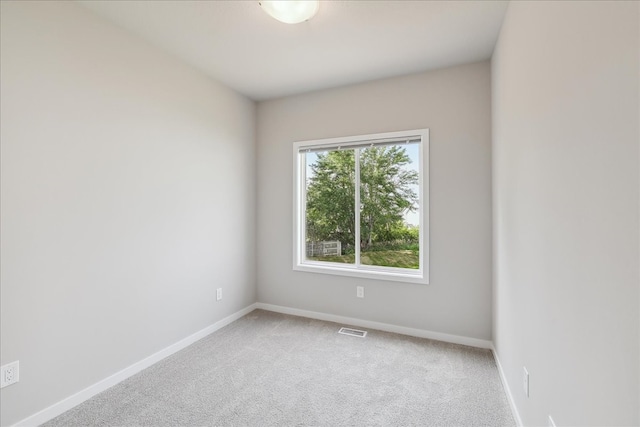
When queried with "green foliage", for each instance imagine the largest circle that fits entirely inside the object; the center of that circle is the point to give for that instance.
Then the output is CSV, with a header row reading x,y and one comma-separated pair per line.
x,y
330,198
392,245
386,194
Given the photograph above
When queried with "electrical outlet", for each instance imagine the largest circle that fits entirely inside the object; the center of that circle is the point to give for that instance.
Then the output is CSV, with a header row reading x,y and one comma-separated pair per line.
x,y
360,291
218,294
550,422
10,374
525,381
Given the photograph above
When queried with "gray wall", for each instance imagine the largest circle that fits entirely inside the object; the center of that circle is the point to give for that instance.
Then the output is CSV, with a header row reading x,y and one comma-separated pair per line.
x,y
455,104
127,198
565,187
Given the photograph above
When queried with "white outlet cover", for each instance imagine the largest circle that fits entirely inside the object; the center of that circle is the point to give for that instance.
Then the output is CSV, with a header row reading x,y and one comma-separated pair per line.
x,y
218,294
10,374
360,291
525,381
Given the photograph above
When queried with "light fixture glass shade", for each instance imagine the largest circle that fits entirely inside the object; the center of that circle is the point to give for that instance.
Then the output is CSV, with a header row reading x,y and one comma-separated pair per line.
x,y
290,11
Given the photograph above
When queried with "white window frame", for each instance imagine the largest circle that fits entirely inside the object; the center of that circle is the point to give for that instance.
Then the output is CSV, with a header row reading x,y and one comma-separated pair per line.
x,y
300,263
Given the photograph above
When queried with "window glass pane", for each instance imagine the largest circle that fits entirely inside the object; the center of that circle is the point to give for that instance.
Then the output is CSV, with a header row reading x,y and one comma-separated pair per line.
x,y
330,206
389,216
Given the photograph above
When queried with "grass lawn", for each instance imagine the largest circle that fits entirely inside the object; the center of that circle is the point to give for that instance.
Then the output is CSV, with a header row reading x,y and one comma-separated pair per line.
x,y
400,259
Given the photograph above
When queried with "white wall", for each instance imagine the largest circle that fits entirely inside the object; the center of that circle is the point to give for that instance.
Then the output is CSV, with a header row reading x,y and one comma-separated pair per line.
x,y
455,104
127,198
565,187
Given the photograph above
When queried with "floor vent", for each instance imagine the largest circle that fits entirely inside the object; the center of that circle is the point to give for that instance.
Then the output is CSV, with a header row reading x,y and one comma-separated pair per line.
x,y
353,332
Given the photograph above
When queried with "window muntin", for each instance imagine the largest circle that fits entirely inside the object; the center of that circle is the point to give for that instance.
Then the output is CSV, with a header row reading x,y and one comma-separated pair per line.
x,y
386,176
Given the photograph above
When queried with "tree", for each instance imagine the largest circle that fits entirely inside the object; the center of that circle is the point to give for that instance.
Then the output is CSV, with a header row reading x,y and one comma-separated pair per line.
x,y
386,194
331,198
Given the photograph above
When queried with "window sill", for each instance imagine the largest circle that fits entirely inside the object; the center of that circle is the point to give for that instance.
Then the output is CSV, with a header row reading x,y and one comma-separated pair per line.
x,y
369,272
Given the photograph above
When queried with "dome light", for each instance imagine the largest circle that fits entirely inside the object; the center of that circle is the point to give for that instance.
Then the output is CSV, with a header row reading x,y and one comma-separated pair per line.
x,y
290,11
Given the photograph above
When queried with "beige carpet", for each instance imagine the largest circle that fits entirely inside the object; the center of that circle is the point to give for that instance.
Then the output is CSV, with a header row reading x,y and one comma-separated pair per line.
x,y
269,369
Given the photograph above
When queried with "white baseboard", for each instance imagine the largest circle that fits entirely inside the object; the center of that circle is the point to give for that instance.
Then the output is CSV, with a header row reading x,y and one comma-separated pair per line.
x,y
507,390
420,333
74,400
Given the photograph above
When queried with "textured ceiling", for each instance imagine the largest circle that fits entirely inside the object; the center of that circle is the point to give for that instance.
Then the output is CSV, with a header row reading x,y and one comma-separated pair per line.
x,y
347,42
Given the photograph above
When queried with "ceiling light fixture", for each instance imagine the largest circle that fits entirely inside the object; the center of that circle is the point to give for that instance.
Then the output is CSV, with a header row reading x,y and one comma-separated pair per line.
x,y
290,11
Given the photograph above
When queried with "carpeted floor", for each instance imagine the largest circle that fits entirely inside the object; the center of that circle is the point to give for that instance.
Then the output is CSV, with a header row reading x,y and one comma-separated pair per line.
x,y
269,369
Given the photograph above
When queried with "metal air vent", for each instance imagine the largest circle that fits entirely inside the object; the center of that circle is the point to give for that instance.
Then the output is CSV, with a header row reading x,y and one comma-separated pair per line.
x,y
353,332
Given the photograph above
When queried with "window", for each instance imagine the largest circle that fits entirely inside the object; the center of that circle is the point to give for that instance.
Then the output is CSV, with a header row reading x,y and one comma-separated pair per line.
x,y
361,206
